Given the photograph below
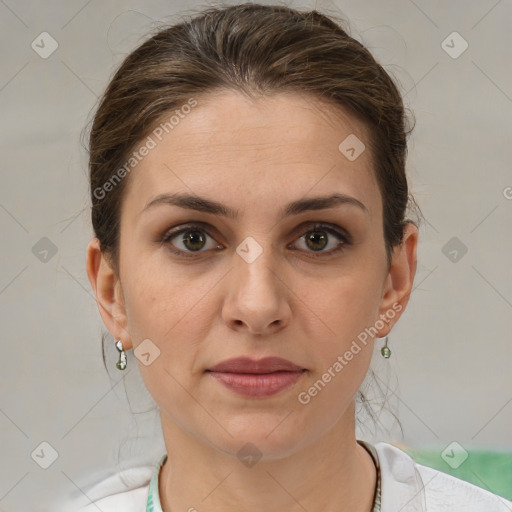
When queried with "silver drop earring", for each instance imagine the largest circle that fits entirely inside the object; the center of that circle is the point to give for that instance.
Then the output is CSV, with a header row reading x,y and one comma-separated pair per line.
x,y
121,364
385,351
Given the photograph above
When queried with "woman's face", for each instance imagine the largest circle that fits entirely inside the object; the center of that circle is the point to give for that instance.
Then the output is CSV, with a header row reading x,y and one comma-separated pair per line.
x,y
263,282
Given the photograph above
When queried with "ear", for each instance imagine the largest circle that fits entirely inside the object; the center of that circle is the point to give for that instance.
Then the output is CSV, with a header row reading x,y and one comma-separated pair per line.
x,y
399,280
108,292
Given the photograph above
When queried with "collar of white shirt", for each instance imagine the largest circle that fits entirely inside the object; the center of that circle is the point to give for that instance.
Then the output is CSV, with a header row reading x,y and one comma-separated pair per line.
x,y
406,486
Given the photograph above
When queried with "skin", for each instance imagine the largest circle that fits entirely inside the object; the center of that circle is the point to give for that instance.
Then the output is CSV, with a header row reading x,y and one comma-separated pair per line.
x,y
255,156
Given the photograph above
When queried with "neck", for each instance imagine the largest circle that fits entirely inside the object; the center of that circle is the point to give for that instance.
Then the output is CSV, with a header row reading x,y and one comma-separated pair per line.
x,y
332,474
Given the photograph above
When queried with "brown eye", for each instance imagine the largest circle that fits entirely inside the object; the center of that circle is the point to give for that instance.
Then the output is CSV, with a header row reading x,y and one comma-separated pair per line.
x,y
322,236
193,240
316,240
188,240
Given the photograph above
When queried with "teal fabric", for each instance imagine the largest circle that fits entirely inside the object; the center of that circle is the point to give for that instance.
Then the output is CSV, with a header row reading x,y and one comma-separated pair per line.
x,y
154,505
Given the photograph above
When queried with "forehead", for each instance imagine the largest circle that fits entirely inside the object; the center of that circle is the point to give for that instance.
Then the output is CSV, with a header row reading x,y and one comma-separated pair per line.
x,y
245,152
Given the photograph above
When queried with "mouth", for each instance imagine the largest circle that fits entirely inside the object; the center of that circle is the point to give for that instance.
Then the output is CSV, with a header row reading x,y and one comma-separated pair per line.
x,y
258,384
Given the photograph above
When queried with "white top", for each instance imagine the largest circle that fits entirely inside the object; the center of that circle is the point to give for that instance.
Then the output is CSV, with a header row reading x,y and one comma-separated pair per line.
x,y
406,486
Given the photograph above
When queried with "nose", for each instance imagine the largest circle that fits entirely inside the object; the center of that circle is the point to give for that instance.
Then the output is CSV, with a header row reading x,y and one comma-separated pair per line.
x,y
257,297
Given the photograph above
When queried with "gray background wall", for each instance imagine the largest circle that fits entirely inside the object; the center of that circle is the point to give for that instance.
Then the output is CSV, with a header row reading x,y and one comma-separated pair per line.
x,y
449,378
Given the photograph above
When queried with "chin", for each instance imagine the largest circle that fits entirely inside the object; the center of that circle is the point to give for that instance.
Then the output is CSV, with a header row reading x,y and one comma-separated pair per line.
x,y
261,437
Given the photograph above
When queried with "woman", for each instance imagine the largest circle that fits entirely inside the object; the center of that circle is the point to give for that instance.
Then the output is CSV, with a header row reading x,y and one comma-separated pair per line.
x,y
249,204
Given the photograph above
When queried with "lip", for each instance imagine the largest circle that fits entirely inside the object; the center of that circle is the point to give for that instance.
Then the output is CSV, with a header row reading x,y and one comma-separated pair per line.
x,y
256,378
248,365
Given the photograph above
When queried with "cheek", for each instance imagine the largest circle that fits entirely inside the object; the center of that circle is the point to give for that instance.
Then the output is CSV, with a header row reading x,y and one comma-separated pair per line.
x,y
324,399
160,299
342,348
343,357
345,306
174,312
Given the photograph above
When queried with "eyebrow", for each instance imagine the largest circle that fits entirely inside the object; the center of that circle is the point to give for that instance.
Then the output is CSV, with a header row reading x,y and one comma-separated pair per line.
x,y
201,204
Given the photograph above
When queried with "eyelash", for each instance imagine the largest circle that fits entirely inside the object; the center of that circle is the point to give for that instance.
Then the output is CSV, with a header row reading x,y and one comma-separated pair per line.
x,y
169,235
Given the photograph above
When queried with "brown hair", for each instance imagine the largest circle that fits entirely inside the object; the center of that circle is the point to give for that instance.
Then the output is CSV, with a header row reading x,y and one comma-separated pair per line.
x,y
257,50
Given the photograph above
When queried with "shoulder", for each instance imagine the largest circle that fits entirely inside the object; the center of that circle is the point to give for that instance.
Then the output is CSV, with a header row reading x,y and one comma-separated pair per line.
x,y
127,491
134,500
412,487
446,492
